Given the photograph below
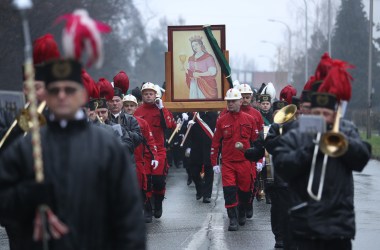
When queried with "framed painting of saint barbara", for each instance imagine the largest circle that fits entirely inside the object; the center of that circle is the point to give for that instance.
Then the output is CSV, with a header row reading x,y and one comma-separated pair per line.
x,y
193,72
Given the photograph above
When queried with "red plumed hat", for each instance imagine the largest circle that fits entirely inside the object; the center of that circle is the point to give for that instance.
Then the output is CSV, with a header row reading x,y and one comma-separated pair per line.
x,y
121,81
106,89
45,48
338,81
323,67
287,93
90,85
309,83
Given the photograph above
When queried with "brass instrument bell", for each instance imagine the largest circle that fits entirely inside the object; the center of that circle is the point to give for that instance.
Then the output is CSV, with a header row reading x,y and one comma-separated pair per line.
x,y
24,120
285,114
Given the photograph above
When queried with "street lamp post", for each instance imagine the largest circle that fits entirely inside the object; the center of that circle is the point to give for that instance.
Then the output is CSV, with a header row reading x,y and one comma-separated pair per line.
x,y
290,69
306,53
370,70
278,60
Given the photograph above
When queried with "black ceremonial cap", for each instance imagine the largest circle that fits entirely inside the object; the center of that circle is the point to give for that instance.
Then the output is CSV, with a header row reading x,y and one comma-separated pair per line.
x,y
265,98
61,70
323,100
98,103
278,105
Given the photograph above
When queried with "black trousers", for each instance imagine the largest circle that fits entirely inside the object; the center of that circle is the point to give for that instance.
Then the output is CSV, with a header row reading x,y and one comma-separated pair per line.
x,y
279,213
308,244
203,187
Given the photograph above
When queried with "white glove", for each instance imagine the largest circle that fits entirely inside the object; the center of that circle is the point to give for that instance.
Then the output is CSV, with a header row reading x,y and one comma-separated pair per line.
x,y
187,152
259,166
154,163
159,103
185,116
216,169
190,122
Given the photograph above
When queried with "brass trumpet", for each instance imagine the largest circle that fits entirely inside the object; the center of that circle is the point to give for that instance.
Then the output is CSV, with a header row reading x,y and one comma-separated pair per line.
x,y
332,144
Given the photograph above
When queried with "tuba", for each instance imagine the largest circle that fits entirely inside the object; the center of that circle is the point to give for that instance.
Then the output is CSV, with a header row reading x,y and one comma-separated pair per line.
x,y
332,144
285,114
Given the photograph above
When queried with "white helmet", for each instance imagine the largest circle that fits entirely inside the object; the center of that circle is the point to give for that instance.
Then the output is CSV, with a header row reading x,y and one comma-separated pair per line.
x,y
148,85
130,98
233,94
269,90
245,89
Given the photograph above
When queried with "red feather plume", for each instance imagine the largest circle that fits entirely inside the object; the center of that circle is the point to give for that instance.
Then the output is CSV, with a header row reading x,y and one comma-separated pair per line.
x,y
323,67
309,83
106,89
90,85
45,48
287,93
338,81
121,81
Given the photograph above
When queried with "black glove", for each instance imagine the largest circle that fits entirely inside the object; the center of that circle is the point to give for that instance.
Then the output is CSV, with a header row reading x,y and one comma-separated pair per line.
x,y
254,154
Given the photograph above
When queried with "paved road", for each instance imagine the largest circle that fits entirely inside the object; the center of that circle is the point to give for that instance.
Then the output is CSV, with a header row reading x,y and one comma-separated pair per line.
x,y
191,224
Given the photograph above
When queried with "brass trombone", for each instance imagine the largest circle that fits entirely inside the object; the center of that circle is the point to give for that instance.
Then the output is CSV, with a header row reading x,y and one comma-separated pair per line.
x,y
332,144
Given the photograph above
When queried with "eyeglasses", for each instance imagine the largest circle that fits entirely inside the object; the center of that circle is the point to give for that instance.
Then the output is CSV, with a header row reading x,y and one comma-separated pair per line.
x,y
55,90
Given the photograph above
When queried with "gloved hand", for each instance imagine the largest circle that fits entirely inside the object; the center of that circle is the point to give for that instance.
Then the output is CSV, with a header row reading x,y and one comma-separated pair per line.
x,y
216,169
32,194
190,122
159,103
187,152
154,163
185,116
259,166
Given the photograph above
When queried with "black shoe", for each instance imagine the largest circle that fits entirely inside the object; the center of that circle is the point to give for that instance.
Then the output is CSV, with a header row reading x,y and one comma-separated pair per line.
x,y
206,200
242,217
198,196
249,210
189,181
279,244
148,212
268,200
158,206
232,214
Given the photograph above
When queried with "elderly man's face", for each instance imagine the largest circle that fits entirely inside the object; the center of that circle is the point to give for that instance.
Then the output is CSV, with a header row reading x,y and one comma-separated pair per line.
x,y
65,98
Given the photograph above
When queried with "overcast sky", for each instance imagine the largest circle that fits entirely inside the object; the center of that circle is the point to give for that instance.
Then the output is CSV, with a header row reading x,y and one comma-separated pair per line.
x,y
246,21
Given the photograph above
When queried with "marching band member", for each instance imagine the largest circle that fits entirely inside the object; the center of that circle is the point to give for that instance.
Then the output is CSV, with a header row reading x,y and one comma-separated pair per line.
x,y
325,220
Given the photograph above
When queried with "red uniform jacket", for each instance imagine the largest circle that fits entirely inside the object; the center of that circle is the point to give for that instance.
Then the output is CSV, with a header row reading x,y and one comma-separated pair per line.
x,y
251,111
148,147
230,128
151,114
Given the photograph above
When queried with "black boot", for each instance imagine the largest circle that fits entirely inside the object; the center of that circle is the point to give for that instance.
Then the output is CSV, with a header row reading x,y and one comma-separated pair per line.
x,y
249,210
232,214
242,216
158,198
148,211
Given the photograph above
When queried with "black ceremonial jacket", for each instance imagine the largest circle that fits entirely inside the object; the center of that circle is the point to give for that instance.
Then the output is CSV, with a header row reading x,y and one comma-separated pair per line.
x,y
95,191
333,217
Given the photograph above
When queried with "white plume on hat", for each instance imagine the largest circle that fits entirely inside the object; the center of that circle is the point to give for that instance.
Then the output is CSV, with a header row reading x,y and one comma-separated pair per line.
x,y
236,84
269,90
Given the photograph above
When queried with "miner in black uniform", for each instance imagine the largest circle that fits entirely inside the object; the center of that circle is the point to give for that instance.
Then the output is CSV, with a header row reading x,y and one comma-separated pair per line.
x,y
278,191
328,223
199,147
266,109
87,182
